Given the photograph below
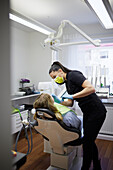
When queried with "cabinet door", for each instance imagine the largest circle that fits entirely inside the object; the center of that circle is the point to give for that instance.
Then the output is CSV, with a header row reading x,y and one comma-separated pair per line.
x,y
16,121
24,114
13,124
107,127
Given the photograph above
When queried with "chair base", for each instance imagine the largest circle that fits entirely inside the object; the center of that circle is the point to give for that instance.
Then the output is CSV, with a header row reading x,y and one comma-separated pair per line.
x,y
76,165
63,161
67,161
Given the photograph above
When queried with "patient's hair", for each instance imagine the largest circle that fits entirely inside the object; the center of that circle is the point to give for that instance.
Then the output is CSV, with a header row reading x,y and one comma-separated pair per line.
x,y
44,100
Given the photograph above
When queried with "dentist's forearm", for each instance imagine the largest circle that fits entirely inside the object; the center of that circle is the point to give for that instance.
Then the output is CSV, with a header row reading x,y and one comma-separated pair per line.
x,y
85,92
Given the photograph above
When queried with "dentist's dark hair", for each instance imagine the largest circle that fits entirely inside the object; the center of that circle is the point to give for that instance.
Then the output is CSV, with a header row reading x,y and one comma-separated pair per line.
x,y
56,66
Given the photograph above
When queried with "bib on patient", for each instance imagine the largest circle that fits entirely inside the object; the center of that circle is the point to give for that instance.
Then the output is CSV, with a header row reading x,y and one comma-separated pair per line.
x,y
62,109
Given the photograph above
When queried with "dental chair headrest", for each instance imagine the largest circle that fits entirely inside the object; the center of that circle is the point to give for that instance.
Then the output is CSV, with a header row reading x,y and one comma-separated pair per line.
x,y
53,118
47,111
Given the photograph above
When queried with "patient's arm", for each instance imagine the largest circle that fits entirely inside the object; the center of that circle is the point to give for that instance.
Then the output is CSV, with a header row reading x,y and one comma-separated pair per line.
x,y
67,102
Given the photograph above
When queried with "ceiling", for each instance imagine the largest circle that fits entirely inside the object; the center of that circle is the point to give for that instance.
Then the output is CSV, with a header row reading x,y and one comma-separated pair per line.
x,y
111,3
52,12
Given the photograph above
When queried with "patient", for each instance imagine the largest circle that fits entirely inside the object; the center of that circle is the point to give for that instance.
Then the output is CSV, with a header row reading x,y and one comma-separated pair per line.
x,y
61,112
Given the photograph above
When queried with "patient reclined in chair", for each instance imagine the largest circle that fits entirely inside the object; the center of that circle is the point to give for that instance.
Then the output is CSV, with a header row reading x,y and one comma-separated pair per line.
x,y
57,133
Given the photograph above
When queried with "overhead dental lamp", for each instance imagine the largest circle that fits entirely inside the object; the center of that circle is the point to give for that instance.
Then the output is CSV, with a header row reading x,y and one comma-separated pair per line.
x,y
54,41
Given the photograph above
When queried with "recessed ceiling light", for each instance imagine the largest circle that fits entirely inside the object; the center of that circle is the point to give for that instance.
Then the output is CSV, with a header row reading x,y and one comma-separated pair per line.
x,y
101,11
31,24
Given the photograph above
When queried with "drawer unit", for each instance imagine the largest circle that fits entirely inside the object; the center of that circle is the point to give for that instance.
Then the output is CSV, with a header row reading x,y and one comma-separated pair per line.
x,y
107,127
16,122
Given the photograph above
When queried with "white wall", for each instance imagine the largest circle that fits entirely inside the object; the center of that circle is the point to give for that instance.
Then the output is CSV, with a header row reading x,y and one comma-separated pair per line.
x,y
28,58
19,56
79,56
71,55
40,58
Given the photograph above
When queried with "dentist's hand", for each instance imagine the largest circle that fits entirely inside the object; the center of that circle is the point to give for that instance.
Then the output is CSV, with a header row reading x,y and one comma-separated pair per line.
x,y
56,99
68,97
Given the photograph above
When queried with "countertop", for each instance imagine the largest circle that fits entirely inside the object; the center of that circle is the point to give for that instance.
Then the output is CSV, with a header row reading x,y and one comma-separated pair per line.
x,y
17,97
108,100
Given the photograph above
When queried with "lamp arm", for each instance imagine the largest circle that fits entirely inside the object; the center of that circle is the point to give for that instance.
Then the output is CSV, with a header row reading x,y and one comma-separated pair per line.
x,y
54,39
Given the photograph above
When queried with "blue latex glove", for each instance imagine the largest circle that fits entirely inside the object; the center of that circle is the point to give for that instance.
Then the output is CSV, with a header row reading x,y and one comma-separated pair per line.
x,y
56,99
67,97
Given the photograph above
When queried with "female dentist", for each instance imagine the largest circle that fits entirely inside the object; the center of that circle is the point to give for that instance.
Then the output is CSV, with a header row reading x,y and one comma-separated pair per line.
x,y
94,112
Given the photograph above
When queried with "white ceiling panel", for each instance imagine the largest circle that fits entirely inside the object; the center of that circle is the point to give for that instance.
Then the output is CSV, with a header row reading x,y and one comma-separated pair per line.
x,y
52,12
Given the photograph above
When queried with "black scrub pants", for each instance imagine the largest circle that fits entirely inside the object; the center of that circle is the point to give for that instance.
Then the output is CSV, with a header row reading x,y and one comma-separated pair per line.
x,y
90,151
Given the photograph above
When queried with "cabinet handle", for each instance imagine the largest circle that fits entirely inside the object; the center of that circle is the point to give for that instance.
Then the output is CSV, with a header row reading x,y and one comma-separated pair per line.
x,y
17,116
17,119
18,126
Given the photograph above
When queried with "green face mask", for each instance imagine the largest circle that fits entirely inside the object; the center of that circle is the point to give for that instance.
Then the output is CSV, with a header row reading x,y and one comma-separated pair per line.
x,y
59,80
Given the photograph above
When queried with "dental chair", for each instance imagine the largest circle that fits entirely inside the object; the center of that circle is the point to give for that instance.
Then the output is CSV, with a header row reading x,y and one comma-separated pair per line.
x,y
56,137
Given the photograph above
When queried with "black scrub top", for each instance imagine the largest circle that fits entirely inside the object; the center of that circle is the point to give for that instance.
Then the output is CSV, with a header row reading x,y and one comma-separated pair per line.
x,y
90,105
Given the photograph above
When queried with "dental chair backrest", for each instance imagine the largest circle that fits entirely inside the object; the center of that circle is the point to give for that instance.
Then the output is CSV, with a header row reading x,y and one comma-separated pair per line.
x,y
54,130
